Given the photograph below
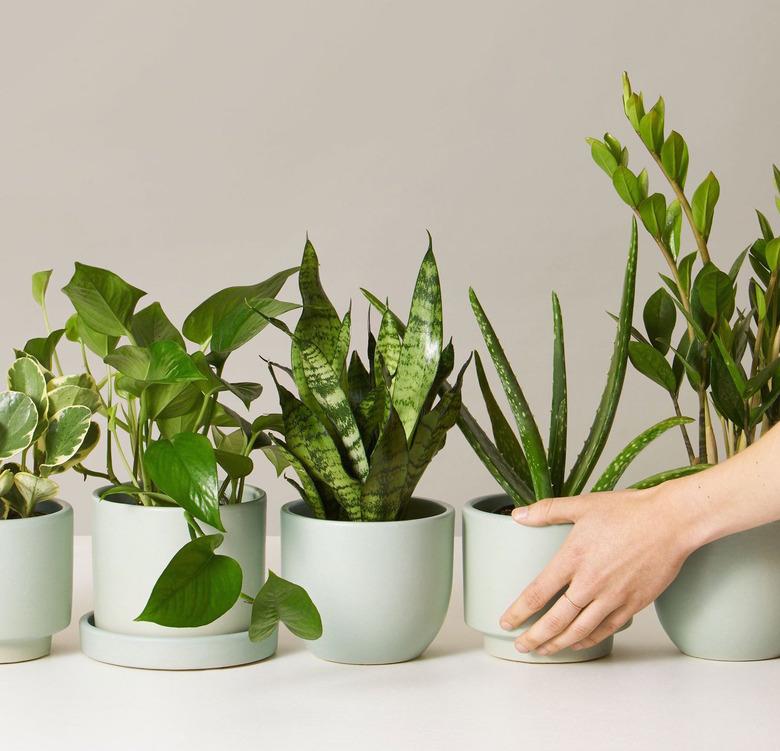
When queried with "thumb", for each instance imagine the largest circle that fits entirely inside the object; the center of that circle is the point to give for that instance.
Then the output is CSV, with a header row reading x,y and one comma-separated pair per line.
x,y
548,511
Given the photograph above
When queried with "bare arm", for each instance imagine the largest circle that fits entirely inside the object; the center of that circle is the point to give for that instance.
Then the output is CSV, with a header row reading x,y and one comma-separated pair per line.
x,y
626,547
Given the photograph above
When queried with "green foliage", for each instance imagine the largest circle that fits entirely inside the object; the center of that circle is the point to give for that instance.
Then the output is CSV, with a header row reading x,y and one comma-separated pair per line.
x,y
359,437
280,600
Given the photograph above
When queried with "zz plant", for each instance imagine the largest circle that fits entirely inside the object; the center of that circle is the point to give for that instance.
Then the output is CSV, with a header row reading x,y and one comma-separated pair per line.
x,y
170,433
359,436
525,468
728,355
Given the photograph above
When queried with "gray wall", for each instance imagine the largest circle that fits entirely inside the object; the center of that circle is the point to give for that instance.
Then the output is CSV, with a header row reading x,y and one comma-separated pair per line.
x,y
190,146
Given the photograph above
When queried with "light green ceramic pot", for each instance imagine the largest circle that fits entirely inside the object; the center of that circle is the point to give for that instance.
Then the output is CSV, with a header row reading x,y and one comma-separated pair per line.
x,y
36,580
725,602
500,558
382,588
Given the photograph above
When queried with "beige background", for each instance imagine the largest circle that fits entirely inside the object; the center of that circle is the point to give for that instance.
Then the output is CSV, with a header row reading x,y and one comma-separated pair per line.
x,y
189,146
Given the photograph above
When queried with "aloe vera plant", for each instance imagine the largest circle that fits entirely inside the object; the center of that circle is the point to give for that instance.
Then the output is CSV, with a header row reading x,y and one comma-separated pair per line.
x,y
520,462
359,436
171,434
730,356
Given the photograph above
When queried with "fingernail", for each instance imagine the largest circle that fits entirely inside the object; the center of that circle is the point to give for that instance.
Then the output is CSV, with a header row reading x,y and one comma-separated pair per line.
x,y
506,625
520,647
520,513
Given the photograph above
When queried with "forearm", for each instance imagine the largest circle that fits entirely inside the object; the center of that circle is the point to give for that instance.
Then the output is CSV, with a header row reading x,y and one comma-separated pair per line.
x,y
736,495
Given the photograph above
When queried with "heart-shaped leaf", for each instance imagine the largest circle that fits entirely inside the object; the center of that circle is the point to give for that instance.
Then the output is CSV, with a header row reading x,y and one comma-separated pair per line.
x,y
281,600
152,325
65,434
34,489
161,362
42,348
78,331
25,376
243,322
18,420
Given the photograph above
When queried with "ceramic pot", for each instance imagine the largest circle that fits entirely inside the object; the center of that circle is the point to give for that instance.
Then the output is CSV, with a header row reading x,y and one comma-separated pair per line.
x,y
725,602
382,588
500,558
36,584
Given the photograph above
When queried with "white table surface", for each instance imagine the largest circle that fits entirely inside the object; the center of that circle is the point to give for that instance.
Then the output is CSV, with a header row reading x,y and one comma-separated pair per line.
x,y
645,696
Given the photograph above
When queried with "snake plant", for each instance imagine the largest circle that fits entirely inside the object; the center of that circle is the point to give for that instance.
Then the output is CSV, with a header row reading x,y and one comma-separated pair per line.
x,y
729,356
359,436
526,469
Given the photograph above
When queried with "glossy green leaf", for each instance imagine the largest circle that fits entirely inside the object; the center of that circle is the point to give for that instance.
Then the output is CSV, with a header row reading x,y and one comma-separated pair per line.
x,y
772,254
309,492
766,227
152,325
76,330
674,158
242,323
388,346
603,156
673,230
652,364
161,362
196,587
713,293
703,204
725,395
185,468
627,186
556,450
660,316
652,211
40,283
25,376
382,494
235,465
651,127
281,600
64,435
42,348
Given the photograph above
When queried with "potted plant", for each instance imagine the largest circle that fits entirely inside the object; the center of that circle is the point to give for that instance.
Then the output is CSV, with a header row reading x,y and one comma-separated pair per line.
x,y
46,428
179,541
728,355
375,558
500,558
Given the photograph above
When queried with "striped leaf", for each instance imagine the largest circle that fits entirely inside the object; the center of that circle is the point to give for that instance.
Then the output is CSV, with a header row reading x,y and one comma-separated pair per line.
x,y
383,308
307,488
383,491
418,362
669,474
503,435
556,448
605,414
530,438
620,463
388,346
308,440
324,385
342,344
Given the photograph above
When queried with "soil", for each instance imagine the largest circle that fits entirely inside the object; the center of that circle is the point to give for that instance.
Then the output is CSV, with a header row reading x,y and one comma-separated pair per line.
x,y
505,510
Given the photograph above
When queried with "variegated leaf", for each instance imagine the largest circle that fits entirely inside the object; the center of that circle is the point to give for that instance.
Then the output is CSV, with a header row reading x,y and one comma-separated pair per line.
x,y
383,494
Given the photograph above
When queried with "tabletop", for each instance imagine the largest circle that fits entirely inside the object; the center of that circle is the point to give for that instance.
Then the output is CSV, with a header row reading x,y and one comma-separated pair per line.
x,y
646,695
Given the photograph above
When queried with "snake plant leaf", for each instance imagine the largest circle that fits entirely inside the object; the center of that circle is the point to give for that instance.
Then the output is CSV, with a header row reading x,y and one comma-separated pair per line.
x,y
383,308
65,434
184,467
505,476
324,385
40,283
669,474
504,437
382,494
88,445
358,383
556,448
530,438
370,414
342,344
70,394
200,323
605,414
196,587
388,345
152,325
652,364
307,488
243,322
161,362
78,331
621,462
660,316
705,197
418,362
281,600
308,440
103,300
34,489
43,348
25,376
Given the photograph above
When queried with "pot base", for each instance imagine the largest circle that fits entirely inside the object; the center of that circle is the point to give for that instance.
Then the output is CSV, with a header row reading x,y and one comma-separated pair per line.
x,y
504,648
22,650
171,652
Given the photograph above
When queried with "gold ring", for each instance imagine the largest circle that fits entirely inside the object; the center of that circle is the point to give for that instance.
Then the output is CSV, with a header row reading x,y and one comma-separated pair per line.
x,y
579,607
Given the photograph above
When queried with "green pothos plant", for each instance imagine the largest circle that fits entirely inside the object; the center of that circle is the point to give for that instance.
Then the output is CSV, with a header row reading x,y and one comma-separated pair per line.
x,y
729,355
525,468
173,440
359,435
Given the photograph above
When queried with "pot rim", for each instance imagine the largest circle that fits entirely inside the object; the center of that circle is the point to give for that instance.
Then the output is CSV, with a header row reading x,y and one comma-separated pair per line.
x,y
64,509
470,508
262,497
445,512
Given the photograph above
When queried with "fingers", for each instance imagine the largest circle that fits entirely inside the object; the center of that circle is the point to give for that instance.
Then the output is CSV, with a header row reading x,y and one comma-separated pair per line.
x,y
581,627
612,623
549,511
537,594
554,622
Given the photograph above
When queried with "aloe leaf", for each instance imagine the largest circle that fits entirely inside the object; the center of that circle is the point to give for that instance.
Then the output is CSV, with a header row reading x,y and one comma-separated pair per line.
x,y
418,362
503,435
308,440
502,472
323,383
383,491
556,448
620,463
605,414
669,474
530,438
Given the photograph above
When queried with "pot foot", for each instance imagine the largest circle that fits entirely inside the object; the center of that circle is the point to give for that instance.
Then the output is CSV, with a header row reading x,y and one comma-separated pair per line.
x,y
504,648
22,650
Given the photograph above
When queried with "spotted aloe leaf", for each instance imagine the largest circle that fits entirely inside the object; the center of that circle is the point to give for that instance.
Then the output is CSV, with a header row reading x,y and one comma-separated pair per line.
x,y
620,463
669,474
530,438
605,414
383,491
556,448
418,362
324,385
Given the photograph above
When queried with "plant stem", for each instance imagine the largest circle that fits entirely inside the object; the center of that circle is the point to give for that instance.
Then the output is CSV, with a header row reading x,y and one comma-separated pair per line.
x,y
684,430
57,364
